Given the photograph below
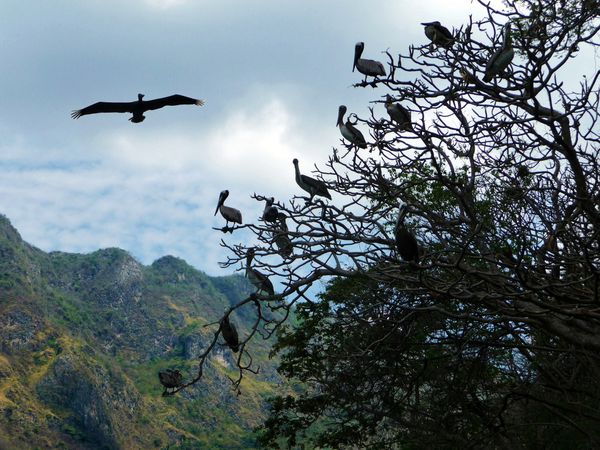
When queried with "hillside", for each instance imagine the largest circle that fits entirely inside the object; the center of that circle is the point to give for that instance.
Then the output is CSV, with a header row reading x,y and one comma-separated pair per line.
x,y
82,338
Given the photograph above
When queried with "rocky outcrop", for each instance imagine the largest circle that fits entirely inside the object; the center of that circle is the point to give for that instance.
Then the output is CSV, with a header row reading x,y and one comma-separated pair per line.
x,y
103,404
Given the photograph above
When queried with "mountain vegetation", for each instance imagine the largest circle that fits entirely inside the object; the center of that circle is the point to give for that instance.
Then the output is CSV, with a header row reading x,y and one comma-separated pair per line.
x,y
83,337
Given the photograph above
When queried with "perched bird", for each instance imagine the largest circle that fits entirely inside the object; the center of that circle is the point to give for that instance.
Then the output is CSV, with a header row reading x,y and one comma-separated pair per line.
x,y
398,113
367,67
438,34
501,58
258,279
406,243
270,212
281,238
137,108
230,334
230,214
310,185
467,76
349,131
170,379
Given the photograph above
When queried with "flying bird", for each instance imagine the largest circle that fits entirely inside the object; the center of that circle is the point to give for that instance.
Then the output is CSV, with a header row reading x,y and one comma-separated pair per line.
x,y
170,379
398,113
228,213
348,130
367,67
501,58
258,279
230,334
270,212
406,243
310,185
438,34
137,108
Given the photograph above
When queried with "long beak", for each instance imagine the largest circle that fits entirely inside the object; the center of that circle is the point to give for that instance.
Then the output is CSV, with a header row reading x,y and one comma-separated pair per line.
x,y
219,205
339,119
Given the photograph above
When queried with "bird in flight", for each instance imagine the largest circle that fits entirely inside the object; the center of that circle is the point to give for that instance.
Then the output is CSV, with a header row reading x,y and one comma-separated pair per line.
x,y
137,108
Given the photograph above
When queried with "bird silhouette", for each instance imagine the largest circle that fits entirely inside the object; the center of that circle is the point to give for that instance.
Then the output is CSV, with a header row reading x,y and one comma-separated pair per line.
x,y
170,379
228,213
310,185
230,334
438,34
137,108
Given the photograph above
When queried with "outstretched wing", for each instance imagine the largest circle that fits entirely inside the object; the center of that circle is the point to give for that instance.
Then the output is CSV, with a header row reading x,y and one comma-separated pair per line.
x,y
171,100
103,107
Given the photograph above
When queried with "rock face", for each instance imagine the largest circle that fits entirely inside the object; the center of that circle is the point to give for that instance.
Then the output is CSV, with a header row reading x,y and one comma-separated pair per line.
x,y
82,338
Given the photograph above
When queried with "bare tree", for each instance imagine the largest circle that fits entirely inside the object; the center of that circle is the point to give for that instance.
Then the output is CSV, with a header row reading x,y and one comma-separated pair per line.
x,y
501,182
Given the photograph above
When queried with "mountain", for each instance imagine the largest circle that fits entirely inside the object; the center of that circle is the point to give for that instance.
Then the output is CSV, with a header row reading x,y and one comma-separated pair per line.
x,y
82,338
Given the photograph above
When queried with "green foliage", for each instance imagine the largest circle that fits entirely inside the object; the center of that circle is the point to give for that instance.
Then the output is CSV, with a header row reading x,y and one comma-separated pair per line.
x,y
99,328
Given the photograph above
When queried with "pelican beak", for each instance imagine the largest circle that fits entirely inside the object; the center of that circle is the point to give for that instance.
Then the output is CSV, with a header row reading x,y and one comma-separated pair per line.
x,y
339,119
219,204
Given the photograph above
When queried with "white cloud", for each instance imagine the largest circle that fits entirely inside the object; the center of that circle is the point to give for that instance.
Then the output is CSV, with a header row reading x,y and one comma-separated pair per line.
x,y
154,192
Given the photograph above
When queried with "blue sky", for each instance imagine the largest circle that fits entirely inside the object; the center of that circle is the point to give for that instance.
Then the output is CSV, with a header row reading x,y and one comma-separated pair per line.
x,y
272,74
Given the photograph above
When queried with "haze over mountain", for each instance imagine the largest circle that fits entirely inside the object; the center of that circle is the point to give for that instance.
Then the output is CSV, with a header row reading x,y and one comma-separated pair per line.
x,y
82,338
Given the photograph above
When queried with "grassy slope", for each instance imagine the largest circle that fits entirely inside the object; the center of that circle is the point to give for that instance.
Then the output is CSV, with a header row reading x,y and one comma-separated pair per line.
x,y
83,337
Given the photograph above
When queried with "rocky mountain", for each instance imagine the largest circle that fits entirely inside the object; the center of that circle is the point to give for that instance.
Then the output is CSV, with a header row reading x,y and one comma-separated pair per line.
x,y
82,338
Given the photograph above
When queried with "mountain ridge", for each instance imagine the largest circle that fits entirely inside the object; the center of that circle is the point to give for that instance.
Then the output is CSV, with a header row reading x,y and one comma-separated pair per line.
x,y
83,336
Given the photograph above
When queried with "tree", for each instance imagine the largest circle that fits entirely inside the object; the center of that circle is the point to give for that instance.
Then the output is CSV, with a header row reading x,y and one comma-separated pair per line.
x,y
496,328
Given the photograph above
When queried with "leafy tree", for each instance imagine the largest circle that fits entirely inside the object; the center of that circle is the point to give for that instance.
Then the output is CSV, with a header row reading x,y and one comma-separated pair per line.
x,y
492,337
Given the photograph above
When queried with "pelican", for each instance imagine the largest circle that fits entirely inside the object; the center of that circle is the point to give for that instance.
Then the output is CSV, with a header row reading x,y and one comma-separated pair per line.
x,y
281,238
230,214
310,185
406,243
367,67
501,58
398,113
170,379
230,334
270,212
259,280
349,131
137,108
438,34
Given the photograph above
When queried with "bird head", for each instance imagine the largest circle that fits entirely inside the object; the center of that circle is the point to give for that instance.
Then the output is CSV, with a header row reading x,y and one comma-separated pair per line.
x,y
222,196
358,49
140,97
295,161
341,111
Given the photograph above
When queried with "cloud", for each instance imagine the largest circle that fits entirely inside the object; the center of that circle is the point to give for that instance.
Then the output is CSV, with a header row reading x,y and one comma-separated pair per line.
x,y
165,4
154,191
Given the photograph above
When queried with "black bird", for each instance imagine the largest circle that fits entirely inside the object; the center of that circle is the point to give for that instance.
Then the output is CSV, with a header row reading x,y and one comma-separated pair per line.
x,y
137,108
228,213
501,58
260,281
310,185
170,379
367,67
398,114
230,334
406,243
270,212
438,34
284,245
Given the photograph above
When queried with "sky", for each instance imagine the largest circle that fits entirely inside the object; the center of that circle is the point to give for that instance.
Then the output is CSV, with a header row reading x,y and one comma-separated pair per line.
x,y
272,74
